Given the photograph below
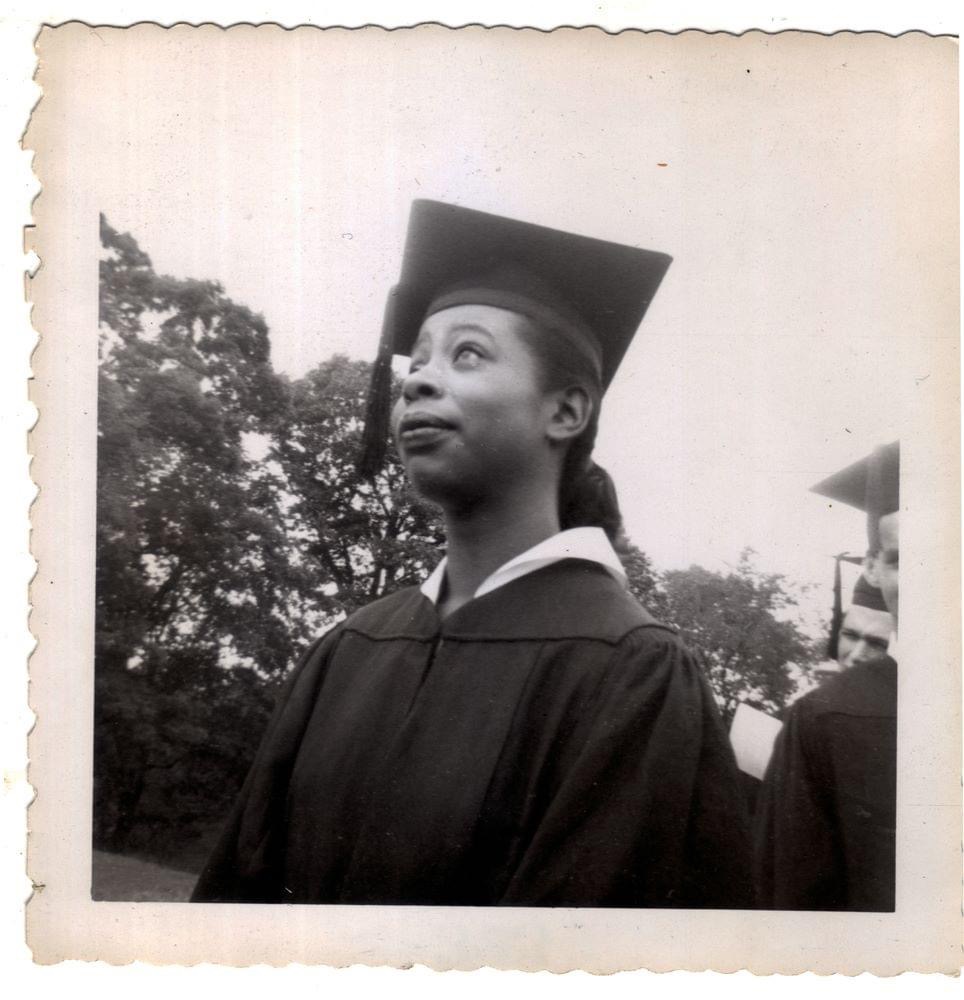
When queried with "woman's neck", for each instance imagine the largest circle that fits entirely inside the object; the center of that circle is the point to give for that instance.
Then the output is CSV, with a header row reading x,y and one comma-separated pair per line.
x,y
482,539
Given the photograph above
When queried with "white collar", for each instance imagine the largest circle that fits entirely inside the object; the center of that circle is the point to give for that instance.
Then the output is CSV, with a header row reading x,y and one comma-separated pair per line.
x,y
590,544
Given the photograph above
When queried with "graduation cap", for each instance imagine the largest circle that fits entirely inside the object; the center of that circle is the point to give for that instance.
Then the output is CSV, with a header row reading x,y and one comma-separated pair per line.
x,y
871,485
593,293
865,594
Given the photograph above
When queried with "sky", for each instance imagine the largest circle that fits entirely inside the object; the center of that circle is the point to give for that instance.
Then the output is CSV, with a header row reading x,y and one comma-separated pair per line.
x,y
805,186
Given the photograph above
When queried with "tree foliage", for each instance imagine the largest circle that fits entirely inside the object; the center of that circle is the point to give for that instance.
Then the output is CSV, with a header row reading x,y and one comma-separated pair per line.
x,y
742,625
230,531
644,582
187,543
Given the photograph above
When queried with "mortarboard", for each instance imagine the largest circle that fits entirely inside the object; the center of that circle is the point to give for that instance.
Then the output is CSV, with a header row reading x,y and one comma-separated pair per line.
x,y
866,595
592,292
871,485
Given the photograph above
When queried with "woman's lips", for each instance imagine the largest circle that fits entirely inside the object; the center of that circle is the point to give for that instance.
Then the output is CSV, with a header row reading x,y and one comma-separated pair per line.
x,y
420,430
420,437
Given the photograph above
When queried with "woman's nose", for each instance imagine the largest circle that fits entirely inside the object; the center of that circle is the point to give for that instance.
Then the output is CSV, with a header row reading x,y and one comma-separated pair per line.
x,y
423,381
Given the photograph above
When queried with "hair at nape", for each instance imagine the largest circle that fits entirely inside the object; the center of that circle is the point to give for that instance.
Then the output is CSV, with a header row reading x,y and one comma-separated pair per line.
x,y
587,494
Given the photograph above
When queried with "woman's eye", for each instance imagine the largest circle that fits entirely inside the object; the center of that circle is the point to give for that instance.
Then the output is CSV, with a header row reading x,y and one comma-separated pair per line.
x,y
467,352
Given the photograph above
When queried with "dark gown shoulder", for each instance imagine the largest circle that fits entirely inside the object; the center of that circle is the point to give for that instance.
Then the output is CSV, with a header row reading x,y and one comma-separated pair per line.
x,y
405,614
868,690
569,599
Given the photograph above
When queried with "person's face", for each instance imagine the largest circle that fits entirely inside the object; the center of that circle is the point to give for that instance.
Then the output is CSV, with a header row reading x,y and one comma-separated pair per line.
x,y
886,562
864,634
472,417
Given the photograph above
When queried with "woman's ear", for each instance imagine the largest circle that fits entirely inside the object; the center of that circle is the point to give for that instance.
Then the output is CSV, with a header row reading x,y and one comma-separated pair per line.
x,y
570,414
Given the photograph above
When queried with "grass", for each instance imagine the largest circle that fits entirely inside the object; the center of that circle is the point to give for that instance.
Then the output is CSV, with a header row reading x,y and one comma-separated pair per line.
x,y
124,878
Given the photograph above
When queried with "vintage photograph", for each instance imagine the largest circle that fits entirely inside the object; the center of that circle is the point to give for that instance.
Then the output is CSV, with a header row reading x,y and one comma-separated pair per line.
x,y
484,463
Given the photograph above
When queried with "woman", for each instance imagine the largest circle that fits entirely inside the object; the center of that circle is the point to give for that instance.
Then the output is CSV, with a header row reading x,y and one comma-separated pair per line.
x,y
518,730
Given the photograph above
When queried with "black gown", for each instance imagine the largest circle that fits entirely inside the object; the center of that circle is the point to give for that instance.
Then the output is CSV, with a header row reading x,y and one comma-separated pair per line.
x,y
548,743
826,820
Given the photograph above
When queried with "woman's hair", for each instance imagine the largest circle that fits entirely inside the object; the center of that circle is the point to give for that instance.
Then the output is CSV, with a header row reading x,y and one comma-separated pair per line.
x,y
587,495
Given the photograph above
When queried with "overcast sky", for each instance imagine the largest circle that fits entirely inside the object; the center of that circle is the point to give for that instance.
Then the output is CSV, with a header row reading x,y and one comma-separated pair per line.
x,y
801,183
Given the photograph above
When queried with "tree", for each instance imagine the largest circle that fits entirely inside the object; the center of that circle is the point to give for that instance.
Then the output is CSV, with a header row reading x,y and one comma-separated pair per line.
x,y
644,583
190,557
187,543
231,529
742,626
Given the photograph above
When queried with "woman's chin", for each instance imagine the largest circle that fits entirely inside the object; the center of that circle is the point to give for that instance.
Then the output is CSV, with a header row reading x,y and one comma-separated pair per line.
x,y
440,484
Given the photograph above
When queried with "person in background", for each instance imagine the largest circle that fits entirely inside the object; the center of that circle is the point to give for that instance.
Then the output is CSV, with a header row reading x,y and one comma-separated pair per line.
x,y
825,828
866,629
864,633
517,730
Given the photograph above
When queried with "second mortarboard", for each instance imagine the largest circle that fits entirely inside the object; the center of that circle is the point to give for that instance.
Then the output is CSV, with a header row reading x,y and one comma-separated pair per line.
x,y
592,292
871,484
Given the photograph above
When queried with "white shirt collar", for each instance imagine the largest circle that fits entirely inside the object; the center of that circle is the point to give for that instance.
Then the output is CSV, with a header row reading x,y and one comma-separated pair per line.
x,y
590,544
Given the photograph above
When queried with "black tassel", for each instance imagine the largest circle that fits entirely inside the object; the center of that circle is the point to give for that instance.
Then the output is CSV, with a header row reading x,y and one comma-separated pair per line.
x,y
378,407
836,619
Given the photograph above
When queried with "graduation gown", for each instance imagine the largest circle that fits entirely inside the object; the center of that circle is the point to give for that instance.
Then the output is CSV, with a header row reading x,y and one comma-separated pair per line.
x,y
548,743
826,822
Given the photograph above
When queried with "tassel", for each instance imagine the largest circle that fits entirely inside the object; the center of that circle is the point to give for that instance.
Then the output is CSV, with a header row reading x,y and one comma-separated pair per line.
x,y
836,619
374,442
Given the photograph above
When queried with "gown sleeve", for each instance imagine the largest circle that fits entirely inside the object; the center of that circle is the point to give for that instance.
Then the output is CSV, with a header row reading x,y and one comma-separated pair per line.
x,y
651,812
246,865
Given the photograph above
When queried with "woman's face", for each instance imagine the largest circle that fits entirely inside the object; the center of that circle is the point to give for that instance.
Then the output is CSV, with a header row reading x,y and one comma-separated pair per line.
x,y
472,417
